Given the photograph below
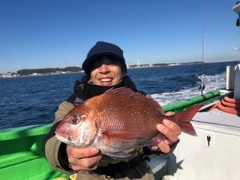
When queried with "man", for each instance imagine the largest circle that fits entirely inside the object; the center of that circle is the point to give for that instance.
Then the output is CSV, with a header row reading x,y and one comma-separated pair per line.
x,y
105,68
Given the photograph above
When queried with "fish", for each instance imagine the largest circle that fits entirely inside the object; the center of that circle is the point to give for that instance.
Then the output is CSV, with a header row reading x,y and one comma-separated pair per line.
x,y
118,120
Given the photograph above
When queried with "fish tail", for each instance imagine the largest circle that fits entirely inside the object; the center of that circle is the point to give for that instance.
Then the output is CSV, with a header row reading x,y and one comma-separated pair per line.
x,y
183,119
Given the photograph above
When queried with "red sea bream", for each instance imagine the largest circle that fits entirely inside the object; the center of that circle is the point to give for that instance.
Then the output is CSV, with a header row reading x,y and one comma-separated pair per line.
x,y
118,120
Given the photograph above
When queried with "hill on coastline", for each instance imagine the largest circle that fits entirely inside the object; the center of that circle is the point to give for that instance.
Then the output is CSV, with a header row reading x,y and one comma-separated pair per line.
x,y
25,72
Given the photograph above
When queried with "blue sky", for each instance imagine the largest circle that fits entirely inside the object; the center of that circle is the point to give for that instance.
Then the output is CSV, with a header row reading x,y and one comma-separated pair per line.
x,y
59,33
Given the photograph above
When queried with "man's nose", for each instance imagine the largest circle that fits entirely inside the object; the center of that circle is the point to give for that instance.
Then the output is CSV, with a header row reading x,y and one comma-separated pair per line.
x,y
103,68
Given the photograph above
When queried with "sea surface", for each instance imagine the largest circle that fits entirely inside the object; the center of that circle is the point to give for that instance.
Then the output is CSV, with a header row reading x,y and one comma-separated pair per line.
x,y
33,100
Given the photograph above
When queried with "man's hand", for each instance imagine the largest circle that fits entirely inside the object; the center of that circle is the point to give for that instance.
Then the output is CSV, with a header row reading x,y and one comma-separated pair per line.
x,y
171,131
83,159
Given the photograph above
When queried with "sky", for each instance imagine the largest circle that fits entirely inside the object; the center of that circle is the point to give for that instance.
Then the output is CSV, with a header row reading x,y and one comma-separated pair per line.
x,y
59,33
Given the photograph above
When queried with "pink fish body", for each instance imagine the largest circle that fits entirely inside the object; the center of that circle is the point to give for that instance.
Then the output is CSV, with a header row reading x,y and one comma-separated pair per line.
x,y
118,120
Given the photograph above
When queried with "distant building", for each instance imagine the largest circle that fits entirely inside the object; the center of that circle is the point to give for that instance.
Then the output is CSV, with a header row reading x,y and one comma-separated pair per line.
x,y
9,75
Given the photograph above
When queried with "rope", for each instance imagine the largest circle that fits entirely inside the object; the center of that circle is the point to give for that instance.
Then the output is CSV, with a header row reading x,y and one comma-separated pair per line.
x,y
228,105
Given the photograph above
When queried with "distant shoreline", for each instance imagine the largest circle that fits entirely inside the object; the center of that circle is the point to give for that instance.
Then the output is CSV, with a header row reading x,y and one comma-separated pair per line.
x,y
73,70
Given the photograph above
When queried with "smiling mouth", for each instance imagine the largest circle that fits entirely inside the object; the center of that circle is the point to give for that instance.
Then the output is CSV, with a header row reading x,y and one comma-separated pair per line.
x,y
106,80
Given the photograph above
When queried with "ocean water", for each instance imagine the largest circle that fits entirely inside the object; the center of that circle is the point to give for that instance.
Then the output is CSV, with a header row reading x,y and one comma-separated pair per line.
x,y
33,100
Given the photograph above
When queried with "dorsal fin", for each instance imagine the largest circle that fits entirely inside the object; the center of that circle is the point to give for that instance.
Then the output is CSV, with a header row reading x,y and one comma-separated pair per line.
x,y
130,93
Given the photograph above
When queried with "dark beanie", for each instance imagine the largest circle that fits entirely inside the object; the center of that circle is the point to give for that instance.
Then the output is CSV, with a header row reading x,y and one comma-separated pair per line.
x,y
103,49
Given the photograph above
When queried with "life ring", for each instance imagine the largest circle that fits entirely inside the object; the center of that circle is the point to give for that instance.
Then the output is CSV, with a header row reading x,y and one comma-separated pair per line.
x,y
228,105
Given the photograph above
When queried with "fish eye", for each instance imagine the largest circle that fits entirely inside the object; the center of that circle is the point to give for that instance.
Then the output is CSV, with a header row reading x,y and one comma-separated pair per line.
x,y
76,119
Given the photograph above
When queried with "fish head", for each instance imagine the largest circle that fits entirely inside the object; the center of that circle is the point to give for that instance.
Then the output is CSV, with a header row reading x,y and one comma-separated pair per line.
x,y
77,129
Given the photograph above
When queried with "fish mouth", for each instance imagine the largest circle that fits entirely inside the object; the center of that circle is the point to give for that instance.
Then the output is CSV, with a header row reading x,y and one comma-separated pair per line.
x,y
62,135
66,140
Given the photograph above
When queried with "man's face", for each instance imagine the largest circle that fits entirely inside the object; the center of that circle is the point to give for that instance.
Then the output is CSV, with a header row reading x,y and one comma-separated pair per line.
x,y
106,73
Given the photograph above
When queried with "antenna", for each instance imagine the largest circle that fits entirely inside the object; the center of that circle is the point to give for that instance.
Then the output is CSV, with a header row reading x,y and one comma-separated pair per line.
x,y
202,86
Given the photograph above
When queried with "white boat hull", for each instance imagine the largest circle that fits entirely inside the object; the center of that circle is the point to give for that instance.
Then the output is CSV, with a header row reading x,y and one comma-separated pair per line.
x,y
213,154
